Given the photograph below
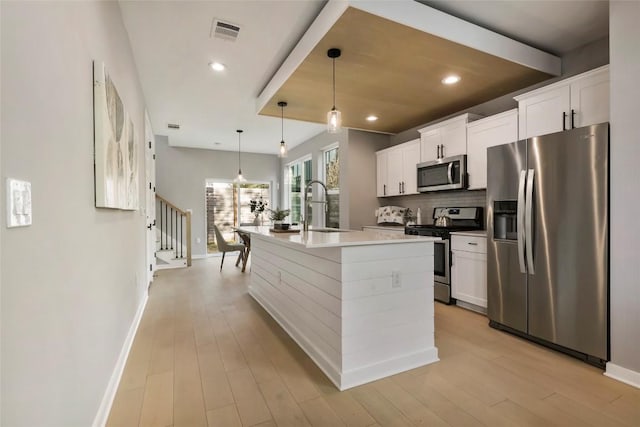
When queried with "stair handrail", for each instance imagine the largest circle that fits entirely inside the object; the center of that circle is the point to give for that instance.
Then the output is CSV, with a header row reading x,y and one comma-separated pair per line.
x,y
187,214
171,205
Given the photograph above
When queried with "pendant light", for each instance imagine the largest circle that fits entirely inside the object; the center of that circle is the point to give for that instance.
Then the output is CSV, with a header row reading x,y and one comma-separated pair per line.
x,y
334,117
240,178
283,145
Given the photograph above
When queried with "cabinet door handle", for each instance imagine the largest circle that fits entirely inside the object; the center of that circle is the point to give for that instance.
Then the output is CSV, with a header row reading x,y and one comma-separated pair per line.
x,y
573,116
564,120
399,187
442,151
438,150
384,189
472,244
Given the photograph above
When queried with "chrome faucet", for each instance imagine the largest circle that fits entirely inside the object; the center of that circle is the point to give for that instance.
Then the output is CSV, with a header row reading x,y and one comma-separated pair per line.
x,y
307,203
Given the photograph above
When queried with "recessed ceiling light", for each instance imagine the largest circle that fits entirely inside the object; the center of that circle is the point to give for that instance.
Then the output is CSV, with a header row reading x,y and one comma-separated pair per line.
x,y
372,118
451,79
217,66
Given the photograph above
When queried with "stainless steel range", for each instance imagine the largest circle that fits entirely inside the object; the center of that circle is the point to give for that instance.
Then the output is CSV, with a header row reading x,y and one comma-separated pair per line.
x,y
460,219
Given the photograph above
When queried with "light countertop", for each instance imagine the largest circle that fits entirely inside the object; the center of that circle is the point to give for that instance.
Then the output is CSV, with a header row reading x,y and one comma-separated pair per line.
x,y
475,233
319,239
385,227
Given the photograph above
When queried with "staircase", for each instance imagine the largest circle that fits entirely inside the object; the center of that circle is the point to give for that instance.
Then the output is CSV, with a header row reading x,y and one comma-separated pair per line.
x,y
173,235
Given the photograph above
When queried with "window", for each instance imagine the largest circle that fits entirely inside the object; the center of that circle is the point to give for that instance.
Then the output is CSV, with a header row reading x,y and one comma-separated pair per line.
x,y
258,195
331,169
297,176
229,205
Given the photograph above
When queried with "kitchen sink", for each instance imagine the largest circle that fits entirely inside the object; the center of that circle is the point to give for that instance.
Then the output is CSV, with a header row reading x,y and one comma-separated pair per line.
x,y
328,230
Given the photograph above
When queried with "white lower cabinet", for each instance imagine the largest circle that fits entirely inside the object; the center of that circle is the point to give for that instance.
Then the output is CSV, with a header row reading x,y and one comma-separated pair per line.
x,y
469,269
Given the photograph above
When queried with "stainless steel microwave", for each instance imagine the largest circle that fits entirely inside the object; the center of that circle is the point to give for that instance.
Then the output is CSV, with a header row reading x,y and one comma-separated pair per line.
x,y
449,173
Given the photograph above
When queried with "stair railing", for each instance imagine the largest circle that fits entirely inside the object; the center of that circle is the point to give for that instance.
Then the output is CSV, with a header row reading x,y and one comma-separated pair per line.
x,y
175,228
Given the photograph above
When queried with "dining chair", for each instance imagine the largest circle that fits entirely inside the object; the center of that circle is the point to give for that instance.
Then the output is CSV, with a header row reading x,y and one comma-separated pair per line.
x,y
224,246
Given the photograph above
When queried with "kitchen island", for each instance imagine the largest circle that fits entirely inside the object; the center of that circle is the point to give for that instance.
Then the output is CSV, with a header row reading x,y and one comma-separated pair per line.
x,y
359,303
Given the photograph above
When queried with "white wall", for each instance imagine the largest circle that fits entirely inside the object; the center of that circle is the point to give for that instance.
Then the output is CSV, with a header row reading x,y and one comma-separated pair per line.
x,y
71,282
625,201
181,174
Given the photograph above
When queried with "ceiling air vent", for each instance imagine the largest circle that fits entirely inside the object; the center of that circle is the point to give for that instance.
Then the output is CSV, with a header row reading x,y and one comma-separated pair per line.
x,y
173,126
224,30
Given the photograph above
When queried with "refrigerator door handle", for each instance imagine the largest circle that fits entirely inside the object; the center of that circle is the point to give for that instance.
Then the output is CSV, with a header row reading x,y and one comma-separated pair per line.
x,y
520,221
450,172
529,221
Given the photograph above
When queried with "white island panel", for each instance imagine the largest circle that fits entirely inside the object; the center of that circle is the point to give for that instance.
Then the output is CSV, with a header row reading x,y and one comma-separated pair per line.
x,y
360,311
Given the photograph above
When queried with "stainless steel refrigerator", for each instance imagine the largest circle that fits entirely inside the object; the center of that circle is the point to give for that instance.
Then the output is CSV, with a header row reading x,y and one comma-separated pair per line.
x,y
548,240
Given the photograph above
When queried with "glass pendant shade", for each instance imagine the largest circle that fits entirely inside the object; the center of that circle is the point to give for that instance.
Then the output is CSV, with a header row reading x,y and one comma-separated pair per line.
x,y
334,121
334,117
239,178
283,150
283,146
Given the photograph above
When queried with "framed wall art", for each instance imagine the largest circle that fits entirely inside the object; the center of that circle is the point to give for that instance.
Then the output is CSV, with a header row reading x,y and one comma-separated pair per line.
x,y
115,146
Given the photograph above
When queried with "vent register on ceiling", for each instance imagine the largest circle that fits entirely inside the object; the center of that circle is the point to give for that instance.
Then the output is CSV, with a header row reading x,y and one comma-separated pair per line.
x,y
224,30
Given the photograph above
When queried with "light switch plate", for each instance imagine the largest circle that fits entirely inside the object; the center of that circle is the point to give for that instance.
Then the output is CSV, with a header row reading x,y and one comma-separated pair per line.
x,y
18,203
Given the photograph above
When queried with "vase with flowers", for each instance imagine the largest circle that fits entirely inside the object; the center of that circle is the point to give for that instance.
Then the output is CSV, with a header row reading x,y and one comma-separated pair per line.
x,y
257,206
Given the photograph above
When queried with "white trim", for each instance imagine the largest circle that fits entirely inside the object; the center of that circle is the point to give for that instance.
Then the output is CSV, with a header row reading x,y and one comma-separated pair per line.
x,y
110,393
440,24
622,374
422,18
204,256
327,17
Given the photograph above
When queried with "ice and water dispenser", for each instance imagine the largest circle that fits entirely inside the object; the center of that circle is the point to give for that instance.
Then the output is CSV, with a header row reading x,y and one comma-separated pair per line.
x,y
505,223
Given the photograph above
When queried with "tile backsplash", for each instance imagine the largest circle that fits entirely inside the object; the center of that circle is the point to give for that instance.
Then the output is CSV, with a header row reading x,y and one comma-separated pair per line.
x,y
427,201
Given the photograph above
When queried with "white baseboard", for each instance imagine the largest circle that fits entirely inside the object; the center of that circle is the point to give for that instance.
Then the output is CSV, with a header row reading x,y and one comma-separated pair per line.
x,y
624,375
110,393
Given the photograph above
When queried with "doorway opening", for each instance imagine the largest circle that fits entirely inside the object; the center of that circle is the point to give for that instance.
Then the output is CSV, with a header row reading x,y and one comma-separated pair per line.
x,y
230,204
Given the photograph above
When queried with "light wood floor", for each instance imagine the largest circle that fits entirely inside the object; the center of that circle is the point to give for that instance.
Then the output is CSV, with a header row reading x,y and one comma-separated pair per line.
x,y
207,354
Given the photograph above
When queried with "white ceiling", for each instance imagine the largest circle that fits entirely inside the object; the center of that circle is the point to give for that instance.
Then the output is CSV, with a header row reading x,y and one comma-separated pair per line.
x,y
555,26
172,50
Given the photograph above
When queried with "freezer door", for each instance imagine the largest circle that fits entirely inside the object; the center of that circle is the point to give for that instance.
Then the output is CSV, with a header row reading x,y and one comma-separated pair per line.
x,y
568,287
506,280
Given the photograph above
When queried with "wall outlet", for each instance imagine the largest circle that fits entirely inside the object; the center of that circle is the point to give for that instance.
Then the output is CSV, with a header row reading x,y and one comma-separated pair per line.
x,y
198,240
396,282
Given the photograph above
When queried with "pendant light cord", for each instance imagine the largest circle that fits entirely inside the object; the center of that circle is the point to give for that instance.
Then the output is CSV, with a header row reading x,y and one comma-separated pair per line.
x,y
282,122
334,83
239,164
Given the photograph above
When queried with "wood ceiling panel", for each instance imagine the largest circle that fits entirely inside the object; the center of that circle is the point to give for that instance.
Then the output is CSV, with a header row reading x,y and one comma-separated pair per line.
x,y
394,72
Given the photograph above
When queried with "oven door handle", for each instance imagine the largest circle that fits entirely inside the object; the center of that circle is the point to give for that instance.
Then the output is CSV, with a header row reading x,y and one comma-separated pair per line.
x,y
450,172
520,220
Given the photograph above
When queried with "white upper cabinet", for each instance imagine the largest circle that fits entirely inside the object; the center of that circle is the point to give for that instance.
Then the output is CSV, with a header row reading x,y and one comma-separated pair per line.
x,y
381,173
484,133
410,159
396,169
575,102
445,139
590,98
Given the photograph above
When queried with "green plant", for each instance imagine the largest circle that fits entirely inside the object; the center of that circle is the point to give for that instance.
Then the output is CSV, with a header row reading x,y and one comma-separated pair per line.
x,y
278,214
